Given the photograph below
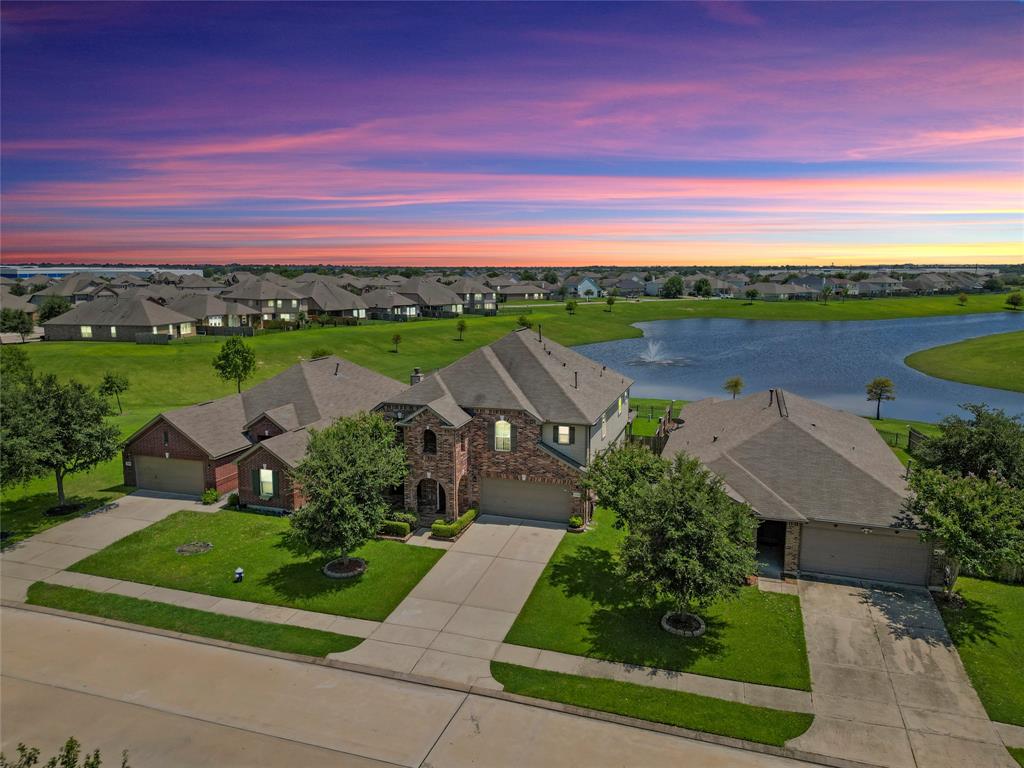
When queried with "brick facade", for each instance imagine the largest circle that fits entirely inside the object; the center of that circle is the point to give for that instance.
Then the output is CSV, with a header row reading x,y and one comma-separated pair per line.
x,y
218,473
263,428
287,497
791,551
466,455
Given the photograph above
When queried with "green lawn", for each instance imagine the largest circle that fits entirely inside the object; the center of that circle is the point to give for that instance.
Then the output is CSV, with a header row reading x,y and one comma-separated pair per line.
x,y
259,634
989,634
988,361
581,606
1017,754
179,374
902,427
685,710
274,573
643,424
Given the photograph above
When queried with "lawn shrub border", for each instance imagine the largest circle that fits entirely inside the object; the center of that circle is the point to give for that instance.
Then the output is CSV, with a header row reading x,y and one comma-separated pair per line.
x,y
445,530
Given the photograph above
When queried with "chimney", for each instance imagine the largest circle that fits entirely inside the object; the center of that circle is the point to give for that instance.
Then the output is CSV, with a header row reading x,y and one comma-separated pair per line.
x,y
416,377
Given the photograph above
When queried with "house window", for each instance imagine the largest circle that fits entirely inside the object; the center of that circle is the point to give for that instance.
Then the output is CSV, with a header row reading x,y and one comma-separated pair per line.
x,y
86,331
185,329
604,427
502,435
429,441
285,316
266,479
113,331
278,303
564,434
166,438
295,303
619,412
215,321
155,331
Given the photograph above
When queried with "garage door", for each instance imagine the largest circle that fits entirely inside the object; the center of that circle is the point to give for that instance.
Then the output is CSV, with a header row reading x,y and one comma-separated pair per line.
x,y
876,556
172,475
535,501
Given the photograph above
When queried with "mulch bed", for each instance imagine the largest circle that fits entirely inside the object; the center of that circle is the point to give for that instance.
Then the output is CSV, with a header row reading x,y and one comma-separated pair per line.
x,y
345,568
60,511
683,624
194,548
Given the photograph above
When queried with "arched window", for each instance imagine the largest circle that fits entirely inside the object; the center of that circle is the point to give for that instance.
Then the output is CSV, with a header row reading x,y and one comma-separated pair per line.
x,y
429,441
502,435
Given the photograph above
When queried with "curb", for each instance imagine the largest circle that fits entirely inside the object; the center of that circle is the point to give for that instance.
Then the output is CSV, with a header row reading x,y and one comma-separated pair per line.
x,y
468,690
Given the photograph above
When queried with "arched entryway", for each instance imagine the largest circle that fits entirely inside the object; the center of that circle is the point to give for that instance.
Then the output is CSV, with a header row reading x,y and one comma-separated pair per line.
x,y
430,497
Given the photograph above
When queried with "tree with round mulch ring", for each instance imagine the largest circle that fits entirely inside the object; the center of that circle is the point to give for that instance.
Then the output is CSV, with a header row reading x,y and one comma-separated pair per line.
x,y
688,543
345,476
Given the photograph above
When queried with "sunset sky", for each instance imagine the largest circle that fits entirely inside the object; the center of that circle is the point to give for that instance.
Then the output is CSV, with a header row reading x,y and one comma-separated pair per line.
x,y
513,134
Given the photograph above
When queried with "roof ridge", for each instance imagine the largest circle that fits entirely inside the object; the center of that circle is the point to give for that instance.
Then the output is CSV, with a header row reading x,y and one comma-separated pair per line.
x,y
728,457
563,388
509,382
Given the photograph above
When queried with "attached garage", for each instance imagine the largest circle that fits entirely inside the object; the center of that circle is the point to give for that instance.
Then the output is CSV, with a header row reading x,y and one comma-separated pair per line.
x,y
881,555
534,501
155,473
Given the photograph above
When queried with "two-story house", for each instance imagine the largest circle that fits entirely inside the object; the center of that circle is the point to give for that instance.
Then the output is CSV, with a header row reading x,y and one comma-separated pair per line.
x,y
274,301
432,299
477,298
508,429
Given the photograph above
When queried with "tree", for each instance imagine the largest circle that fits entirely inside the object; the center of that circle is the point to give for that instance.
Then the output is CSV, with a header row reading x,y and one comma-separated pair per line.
x,y
301,320
53,307
15,321
880,389
461,328
615,474
345,476
66,757
844,292
550,277
687,541
588,293
21,443
702,288
114,384
993,284
672,288
978,521
1014,300
733,386
70,432
527,275
962,299
988,443
826,291
610,301
235,362
18,289
570,307
524,322
319,352
752,294
396,339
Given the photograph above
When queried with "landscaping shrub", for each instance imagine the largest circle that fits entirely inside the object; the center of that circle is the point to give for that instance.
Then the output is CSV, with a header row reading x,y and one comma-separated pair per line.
x,y
575,521
210,496
446,530
405,517
233,500
395,528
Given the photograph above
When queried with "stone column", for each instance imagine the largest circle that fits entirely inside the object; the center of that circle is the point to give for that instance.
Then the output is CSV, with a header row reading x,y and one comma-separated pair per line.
x,y
791,552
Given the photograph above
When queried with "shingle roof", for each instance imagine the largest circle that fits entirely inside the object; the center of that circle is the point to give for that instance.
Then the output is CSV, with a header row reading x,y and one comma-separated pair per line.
x,y
19,303
259,289
797,461
428,293
197,281
466,285
521,372
127,311
330,296
385,298
204,305
306,393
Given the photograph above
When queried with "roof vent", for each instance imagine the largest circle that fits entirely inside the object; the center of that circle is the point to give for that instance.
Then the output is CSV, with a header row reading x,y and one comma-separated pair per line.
x,y
416,377
576,379
337,367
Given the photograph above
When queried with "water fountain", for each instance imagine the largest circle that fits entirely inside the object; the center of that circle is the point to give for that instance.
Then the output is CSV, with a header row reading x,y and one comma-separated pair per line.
x,y
652,353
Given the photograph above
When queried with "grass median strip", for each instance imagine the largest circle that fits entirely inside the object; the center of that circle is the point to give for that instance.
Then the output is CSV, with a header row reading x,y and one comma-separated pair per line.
x,y
685,710
259,634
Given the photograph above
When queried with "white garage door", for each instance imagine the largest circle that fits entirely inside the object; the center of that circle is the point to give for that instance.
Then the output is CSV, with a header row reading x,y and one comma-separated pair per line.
x,y
154,473
535,501
877,556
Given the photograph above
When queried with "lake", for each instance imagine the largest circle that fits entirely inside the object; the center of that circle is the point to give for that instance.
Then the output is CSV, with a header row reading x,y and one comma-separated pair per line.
x,y
827,361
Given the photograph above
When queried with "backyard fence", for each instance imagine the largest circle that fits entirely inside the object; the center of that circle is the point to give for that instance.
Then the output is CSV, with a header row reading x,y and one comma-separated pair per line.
x,y
656,442
229,330
914,439
152,338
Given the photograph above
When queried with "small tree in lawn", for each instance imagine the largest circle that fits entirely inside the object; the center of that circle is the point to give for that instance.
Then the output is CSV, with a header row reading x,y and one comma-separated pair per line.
x,y
962,299
396,339
615,474
880,389
752,294
114,384
344,478
702,288
15,321
570,307
235,362
53,307
610,301
461,328
588,293
524,322
672,288
688,543
1015,300
826,292
843,293
733,386
319,352
979,522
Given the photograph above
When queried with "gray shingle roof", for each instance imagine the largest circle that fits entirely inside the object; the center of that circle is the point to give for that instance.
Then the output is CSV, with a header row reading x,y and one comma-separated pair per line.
x,y
803,461
428,293
329,296
204,305
311,391
259,289
521,372
385,298
19,303
126,311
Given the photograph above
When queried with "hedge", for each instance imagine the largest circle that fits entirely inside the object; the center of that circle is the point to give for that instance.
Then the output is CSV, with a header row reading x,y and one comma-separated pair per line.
x,y
445,530
395,528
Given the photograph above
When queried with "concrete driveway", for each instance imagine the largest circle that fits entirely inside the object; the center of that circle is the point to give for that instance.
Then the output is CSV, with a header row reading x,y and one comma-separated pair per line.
x,y
887,683
42,555
173,702
452,623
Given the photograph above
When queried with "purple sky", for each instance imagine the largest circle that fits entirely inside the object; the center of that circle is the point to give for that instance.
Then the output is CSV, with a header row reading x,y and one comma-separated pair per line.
x,y
513,133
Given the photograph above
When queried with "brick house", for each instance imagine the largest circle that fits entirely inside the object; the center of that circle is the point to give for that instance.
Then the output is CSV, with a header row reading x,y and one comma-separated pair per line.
x,y
191,449
508,429
119,319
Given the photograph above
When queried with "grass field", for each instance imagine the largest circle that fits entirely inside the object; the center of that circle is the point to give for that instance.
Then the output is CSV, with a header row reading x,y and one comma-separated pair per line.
x,y
645,407
988,361
901,427
989,635
259,634
165,377
685,710
274,573
581,606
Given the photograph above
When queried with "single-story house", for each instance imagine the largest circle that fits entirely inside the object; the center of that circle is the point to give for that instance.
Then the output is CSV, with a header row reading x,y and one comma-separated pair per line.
x,y
118,319
326,297
386,304
581,287
18,303
199,284
523,291
76,288
188,450
432,298
829,492
211,311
